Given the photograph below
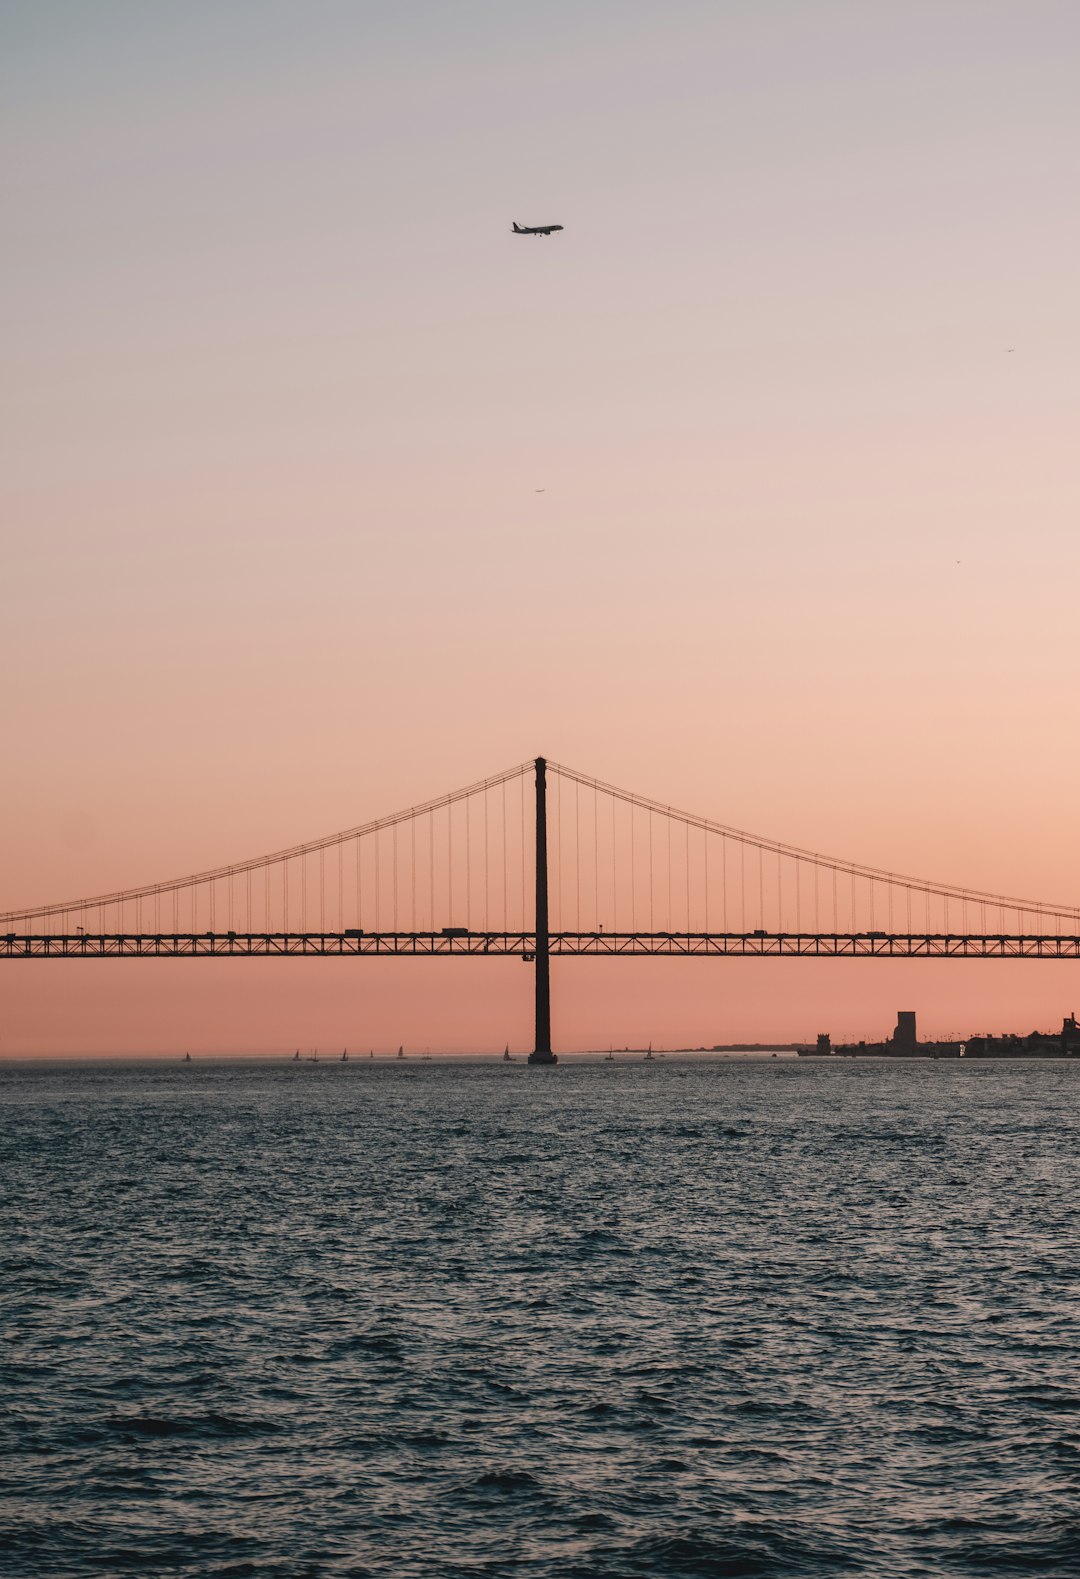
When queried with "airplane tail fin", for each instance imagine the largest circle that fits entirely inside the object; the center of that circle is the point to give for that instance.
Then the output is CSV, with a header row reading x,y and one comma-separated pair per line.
x,y
517,228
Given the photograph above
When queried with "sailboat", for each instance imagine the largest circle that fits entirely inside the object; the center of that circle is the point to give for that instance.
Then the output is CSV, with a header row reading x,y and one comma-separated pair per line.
x,y
296,1056
401,1052
187,1058
506,1055
314,1057
648,1055
345,1056
609,1056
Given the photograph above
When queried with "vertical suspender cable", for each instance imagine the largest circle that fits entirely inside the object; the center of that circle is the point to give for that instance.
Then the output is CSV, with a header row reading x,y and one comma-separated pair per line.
x,y
614,866
686,830
596,859
559,847
577,858
652,919
723,874
633,871
817,910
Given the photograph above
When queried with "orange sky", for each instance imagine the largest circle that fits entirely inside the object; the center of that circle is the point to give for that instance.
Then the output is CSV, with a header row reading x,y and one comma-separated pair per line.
x,y
798,380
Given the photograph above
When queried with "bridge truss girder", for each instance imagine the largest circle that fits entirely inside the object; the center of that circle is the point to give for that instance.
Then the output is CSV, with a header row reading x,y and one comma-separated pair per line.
x,y
522,945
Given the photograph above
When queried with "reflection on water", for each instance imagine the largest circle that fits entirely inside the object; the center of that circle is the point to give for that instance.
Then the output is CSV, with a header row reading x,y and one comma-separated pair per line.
x,y
677,1319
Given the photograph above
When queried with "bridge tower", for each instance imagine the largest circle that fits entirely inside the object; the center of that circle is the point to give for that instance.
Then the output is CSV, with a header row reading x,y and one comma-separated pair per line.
x,y
542,1053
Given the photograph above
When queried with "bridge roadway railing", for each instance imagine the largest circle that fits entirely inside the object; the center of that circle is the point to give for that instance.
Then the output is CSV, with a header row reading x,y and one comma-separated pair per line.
x,y
459,942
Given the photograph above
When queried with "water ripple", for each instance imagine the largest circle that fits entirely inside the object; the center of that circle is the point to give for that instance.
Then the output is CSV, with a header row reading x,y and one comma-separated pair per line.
x,y
698,1319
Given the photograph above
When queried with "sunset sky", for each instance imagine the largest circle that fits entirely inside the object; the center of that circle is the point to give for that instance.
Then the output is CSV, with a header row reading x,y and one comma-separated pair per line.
x,y
800,382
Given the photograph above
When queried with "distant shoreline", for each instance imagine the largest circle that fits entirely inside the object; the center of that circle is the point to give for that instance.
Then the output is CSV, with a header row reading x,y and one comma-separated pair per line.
x,y
756,1054
591,1055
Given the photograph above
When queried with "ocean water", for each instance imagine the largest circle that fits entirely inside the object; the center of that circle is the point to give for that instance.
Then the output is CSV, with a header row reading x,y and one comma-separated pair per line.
x,y
736,1318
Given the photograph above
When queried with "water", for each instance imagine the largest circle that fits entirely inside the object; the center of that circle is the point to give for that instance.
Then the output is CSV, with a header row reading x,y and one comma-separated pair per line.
x,y
737,1318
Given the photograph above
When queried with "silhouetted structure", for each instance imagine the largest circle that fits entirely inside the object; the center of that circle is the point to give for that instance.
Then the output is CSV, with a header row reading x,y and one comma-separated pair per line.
x,y
903,1043
286,905
542,1053
1037,1044
904,1038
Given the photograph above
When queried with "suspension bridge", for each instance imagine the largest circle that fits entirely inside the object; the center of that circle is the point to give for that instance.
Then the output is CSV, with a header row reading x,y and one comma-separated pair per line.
x,y
542,861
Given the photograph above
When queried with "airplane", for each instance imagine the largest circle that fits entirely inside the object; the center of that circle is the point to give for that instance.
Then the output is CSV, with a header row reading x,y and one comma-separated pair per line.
x,y
534,230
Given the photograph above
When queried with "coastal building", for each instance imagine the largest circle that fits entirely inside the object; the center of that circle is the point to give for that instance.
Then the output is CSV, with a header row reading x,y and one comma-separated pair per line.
x,y
1037,1044
903,1043
904,1039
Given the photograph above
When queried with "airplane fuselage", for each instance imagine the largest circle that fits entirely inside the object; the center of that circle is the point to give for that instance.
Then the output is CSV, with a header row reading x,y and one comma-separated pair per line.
x,y
534,230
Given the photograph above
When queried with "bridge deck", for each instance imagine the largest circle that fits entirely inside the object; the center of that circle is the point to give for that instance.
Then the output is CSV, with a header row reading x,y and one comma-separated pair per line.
x,y
522,945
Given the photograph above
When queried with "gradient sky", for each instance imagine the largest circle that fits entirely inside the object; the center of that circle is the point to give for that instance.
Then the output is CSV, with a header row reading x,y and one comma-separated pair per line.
x,y
799,381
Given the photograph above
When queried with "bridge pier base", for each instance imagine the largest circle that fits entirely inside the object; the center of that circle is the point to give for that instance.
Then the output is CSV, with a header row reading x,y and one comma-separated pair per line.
x,y
542,1053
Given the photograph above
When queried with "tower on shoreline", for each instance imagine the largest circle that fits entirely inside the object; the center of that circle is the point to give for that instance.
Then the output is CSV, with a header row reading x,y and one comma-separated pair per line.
x,y
904,1037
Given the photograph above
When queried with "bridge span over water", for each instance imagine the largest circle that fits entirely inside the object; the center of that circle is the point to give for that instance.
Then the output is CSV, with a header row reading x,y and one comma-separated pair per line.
x,y
536,862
